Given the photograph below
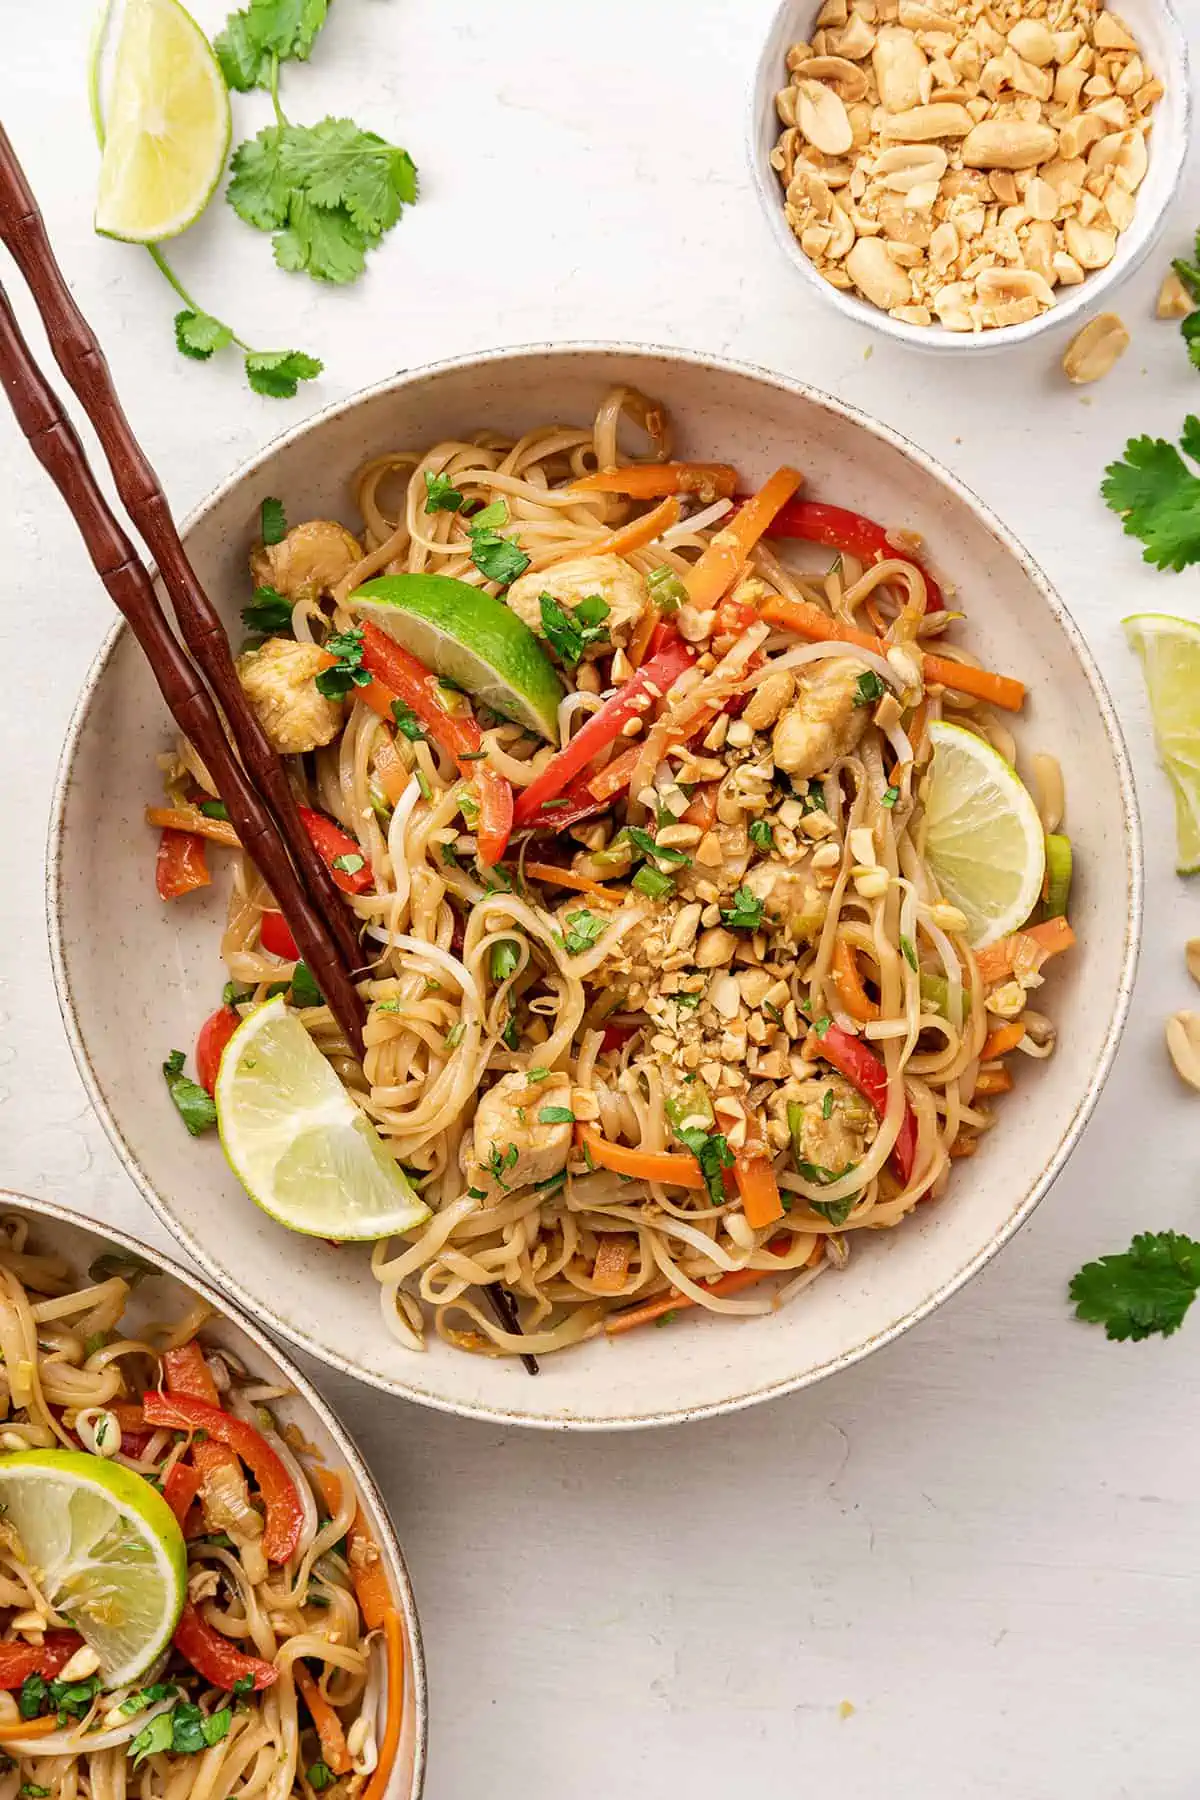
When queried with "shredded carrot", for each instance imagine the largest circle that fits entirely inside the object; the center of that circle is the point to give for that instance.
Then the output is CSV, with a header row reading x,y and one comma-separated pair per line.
x,y
641,639
567,878
648,1165
393,1633
646,481
810,622
994,1081
758,1188
849,984
702,809
190,818
1001,1041
28,1728
334,1752
916,728
390,771
722,562
997,960
876,617
613,778
613,1257
622,542
367,1568
649,1310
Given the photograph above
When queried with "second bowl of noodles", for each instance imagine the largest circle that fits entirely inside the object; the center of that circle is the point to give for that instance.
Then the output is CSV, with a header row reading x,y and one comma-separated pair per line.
x,y
619,686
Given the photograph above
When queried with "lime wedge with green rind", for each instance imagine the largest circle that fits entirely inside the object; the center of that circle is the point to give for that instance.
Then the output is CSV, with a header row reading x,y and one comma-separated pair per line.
x,y
469,637
166,125
983,838
1169,649
105,1550
296,1141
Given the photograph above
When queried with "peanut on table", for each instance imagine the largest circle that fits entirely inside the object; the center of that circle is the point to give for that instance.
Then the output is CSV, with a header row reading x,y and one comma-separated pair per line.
x,y
958,162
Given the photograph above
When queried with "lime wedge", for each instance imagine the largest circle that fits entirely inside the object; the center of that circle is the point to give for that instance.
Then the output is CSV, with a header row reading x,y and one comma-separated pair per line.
x,y
296,1141
470,637
1170,653
105,1550
167,126
983,837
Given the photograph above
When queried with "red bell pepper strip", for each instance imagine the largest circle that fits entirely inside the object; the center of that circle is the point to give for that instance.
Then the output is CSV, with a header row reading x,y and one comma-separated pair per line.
x,y
398,675
575,803
275,937
333,845
211,1040
616,1037
213,1656
186,1372
852,533
181,865
285,1515
633,701
861,1067
180,1486
19,1661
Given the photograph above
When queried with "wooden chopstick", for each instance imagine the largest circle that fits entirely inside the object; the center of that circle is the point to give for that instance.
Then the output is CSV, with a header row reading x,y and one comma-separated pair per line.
x,y
78,354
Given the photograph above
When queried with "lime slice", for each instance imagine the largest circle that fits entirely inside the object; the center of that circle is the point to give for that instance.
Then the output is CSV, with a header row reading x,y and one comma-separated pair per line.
x,y
167,126
1170,653
296,1141
105,1550
983,838
470,637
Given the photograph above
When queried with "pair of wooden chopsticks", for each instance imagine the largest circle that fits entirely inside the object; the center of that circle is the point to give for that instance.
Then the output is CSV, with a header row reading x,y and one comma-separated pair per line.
x,y
256,791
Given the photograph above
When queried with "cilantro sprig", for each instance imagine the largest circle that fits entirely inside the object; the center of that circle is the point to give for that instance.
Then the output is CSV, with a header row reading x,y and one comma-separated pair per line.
x,y
571,630
1158,496
1145,1289
199,335
497,558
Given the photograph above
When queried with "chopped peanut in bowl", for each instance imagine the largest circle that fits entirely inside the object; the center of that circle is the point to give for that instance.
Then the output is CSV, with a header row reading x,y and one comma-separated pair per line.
x,y
955,162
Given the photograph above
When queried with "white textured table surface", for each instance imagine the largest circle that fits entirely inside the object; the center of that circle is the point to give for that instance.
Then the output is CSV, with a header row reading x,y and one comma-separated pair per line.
x,y
984,1537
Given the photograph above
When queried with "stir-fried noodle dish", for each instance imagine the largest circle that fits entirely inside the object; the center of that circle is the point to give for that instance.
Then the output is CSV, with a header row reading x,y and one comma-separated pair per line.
x,y
279,1664
625,772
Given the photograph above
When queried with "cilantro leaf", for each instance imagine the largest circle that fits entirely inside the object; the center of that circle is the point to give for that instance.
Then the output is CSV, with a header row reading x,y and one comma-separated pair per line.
x,y
1189,272
33,1696
198,334
407,722
1158,496
262,31
269,612
347,672
441,495
836,1211
583,928
762,834
123,1263
1146,1289
1190,327
713,1154
278,373
505,957
305,991
319,1776
152,1738
496,557
195,1107
571,632
272,521
328,191
745,914
649,846
556,1115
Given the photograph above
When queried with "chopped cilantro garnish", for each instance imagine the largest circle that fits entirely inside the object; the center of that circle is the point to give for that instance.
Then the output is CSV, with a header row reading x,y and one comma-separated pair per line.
x,y
713,1154
583,929
556,1115
571,631
762,834
649,846
497,558
407,722
319,1775
506,955
889,796
868,688
455,1035
347,672
195,1107
272,521
745,913
441,495
214,809
305,991
269,612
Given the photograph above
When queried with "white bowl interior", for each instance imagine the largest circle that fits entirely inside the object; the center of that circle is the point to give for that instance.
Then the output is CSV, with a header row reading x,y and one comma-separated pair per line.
x,y
168,1293
1164,48
137,977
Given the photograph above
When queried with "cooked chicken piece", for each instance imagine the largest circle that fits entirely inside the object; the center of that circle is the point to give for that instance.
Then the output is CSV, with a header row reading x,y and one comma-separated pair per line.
x,y
835,1142
309,562
279,681
823,721
513,1145
610,578
789,897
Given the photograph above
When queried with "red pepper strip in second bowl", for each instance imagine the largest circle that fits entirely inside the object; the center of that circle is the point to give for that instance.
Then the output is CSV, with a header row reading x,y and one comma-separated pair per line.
x,y
633,701
285,1514
851,1058
850,532
335,847
181,865
398,675
19,1661
214,1657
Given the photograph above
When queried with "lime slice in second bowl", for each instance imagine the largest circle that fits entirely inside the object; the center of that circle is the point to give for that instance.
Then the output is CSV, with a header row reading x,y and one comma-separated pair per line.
x,y
983,837
471,638
296,1141
105,1549
167,126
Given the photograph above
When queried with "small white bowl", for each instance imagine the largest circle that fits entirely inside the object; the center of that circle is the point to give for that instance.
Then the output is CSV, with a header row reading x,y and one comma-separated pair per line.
x,y
136,977
1161,37
171,1292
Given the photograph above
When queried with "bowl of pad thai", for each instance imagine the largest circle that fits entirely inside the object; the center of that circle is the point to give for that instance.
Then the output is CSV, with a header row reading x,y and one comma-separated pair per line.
x,y
200,1589
744,866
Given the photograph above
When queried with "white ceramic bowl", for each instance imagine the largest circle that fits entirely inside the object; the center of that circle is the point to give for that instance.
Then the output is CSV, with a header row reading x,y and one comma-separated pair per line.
x,y
1159,32
169,1293
135,977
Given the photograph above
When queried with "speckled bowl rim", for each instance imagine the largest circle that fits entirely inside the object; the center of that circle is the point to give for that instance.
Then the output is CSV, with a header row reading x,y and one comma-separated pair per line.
x,y
13,1200
936,338
1133,860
